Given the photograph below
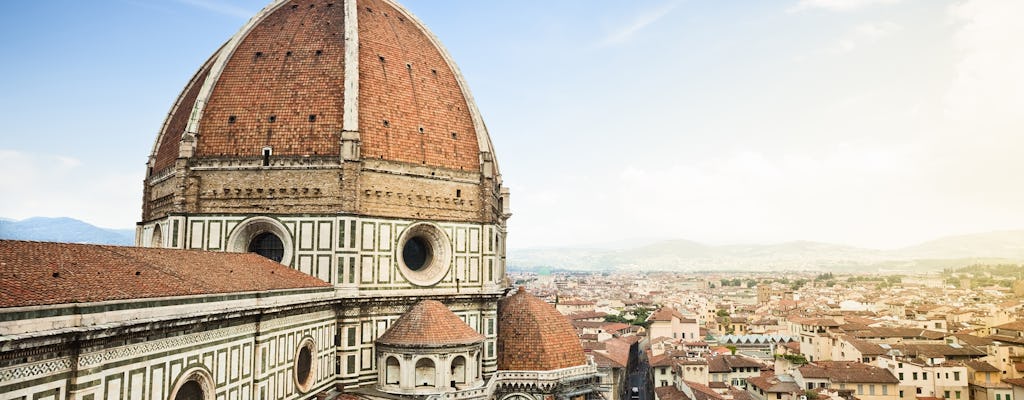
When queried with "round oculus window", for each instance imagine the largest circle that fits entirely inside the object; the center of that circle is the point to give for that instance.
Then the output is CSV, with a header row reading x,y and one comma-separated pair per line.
x,y
417,253
304,366
267,245
424,254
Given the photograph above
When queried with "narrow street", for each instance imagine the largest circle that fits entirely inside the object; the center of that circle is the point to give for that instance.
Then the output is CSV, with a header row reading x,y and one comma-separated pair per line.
x,y
639,377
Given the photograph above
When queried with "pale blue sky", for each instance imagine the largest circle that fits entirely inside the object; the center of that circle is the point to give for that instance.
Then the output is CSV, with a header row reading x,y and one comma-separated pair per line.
x,y
865,122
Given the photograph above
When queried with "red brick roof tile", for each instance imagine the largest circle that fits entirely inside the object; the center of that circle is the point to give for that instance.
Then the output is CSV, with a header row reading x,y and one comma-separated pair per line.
x,y
429,323
533,336
41,273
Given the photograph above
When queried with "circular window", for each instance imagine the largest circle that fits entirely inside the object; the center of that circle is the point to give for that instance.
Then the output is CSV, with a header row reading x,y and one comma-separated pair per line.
x,y
267,245
265,236
305,369
416,253
424,254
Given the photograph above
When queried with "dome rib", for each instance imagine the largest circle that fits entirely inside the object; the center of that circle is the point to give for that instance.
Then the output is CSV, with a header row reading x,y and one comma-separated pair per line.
x,y
483,136
429,323
533,336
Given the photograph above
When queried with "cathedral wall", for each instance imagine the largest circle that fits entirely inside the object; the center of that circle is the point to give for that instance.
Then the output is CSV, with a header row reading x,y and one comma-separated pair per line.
x,y
239,360
259,190
406,190
355,253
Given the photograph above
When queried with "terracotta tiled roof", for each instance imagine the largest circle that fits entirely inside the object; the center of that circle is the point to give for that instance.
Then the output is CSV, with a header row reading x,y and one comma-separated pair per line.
x,y
586,315
972,340
849,372
41,273
604,361
981,366
1012,326
429,324
616,326
1019,382
703,392
914,333
865,347
665,314
773,384
670,393
938,350
533,336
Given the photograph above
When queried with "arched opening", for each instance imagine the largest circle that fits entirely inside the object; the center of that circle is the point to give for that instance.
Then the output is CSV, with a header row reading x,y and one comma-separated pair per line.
x,y
157,240
191,390
392,371
426,374
194,384
459,370
267,245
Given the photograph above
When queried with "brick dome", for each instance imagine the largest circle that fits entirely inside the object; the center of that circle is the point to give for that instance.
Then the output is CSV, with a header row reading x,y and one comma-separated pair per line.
x,y
429,324
533,336
308,86
302,72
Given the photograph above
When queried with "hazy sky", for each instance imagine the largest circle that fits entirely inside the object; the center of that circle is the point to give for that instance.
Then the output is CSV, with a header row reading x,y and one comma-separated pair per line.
x,y
866,122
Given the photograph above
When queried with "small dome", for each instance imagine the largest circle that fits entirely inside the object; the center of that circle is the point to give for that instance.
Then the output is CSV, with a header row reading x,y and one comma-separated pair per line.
x,y
429,324
533,336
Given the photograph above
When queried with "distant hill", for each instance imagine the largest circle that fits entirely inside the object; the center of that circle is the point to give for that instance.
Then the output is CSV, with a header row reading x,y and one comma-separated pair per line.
x,y
685,255
67,230
1003,244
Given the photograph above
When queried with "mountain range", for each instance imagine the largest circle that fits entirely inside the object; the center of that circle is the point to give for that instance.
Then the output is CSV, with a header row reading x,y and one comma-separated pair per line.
x,y
666,255
684,255
67,230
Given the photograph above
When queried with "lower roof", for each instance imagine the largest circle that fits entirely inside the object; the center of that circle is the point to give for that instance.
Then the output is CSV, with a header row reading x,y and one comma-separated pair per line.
x,y
43,273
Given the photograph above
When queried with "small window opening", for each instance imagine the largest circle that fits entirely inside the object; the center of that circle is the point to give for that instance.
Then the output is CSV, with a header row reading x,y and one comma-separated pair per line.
x,y
312,117
56,274
266,156
387,124
455,135
330,4
273,118
319,52
433,71
421,129
458,193
312,5
259,54
294,6
232,119
288,54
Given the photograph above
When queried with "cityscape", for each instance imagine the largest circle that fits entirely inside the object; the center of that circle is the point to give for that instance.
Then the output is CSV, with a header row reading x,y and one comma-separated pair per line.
x,y
787,200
